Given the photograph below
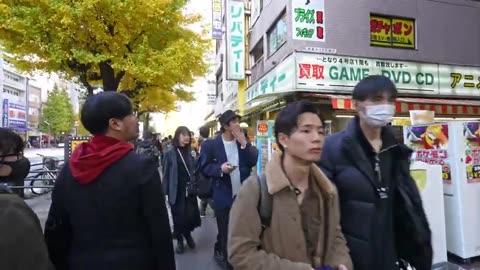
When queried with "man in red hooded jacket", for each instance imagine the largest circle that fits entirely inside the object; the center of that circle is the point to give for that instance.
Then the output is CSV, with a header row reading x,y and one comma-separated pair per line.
x,y
108,210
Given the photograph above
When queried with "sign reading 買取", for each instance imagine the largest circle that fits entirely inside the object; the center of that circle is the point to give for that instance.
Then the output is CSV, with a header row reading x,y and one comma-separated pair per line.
x,y
331,72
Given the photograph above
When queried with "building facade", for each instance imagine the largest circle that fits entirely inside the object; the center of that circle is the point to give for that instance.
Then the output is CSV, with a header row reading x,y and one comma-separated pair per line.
x,y
34,111
319,50
14,99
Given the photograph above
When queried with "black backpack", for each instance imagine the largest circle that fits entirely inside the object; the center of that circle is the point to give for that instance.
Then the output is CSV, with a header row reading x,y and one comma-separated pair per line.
x,y
264,206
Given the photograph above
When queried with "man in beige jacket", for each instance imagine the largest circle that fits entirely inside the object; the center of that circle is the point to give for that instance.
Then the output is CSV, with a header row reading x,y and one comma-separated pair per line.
x,y
304,231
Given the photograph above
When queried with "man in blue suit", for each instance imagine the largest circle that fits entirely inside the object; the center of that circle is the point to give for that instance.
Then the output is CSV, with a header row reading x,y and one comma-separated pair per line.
x,y
228,159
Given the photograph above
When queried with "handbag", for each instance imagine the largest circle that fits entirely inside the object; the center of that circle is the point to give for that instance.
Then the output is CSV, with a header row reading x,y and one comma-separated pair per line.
x,y
204,183
190,189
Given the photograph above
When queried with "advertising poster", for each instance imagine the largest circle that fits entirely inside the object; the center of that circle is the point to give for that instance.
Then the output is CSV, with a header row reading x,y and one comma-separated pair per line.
x,y
308,20
266,144
387,31
72,144
471,132
430,144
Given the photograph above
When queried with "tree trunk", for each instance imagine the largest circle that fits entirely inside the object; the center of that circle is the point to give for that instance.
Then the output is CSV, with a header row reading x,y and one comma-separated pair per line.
x,y
146,123
110,80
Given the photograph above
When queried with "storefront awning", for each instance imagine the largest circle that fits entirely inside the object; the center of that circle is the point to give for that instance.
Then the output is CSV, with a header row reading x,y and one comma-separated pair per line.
x,y
406,104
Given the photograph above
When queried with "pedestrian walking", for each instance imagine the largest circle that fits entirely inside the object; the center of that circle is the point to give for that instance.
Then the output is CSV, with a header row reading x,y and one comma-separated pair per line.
x,y
382,214
178,167
108,208
204,202
299,228
228,159
22,245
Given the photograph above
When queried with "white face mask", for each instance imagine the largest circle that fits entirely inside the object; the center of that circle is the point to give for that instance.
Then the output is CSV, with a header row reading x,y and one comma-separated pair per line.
x,y
379,115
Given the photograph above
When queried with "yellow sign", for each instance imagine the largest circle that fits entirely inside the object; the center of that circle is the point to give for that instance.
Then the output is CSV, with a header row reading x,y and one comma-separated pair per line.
x,y
388,31
73,143
420,177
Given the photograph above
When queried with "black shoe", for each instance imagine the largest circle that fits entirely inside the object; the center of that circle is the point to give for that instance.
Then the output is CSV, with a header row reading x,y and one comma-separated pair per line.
x,y
180,247
190,241
220,259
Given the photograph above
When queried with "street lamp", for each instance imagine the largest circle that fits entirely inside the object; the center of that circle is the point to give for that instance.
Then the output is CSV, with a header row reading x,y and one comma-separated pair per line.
x,y
49,133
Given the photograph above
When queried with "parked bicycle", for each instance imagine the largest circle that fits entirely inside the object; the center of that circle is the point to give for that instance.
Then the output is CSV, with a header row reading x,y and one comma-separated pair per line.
x,y
43,179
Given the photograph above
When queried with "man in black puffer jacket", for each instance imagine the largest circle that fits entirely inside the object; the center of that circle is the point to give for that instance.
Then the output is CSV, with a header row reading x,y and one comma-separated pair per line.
x,y
382,215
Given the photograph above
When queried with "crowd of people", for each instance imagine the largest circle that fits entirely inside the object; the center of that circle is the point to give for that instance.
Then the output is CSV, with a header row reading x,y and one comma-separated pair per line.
x,y
343,202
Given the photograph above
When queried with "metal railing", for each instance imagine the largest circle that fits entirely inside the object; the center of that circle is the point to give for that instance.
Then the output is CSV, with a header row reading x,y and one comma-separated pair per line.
x,y
39,181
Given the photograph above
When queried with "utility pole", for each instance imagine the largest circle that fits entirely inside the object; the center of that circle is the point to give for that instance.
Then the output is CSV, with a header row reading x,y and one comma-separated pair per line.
x,y
49,133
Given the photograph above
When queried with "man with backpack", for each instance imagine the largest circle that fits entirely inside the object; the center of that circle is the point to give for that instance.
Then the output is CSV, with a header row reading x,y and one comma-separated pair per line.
x,y
148,148
228,160
288,217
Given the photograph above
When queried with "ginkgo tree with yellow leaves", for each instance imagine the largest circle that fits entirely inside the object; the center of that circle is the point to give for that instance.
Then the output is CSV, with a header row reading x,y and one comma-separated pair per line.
x,y
141,47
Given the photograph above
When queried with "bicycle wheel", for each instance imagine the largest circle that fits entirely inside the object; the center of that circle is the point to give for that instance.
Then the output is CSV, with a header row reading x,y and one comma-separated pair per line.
x,y
41,179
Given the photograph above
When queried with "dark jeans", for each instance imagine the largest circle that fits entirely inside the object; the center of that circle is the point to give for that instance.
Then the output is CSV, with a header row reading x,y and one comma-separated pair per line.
x,y
204,203
223,216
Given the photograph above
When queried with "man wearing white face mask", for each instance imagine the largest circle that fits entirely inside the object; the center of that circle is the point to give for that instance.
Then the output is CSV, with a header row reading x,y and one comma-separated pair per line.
x,y
382,215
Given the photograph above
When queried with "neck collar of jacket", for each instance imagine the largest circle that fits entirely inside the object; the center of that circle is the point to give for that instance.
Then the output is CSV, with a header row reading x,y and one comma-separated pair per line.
x,y
354,132
278,180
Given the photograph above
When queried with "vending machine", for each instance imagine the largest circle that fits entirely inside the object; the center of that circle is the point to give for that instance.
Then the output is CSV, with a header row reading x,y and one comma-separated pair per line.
x,y
456,147
265,142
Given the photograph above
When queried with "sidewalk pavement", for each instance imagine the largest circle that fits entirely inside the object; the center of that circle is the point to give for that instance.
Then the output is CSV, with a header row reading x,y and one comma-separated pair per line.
x,y
32,152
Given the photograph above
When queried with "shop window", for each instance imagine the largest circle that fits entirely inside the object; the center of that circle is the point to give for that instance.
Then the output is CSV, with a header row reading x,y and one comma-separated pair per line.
x,y
257,53
257,7
277,36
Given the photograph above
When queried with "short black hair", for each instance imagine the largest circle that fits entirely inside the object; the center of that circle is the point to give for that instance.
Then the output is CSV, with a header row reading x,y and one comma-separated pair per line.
x,y
10,142
373,86
287,118
98,109
181,130
204,131
169,137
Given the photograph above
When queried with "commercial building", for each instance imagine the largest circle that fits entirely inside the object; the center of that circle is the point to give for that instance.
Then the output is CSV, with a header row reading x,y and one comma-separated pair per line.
x,y
319,50
13,95
34,111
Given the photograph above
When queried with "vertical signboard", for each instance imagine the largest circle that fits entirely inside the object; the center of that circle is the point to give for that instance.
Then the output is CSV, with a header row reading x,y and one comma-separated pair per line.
x,y
217,19
5,113
235,32
308,20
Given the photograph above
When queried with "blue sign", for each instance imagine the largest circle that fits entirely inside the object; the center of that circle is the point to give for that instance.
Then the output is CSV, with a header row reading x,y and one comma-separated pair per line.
x,y
5,113
217,19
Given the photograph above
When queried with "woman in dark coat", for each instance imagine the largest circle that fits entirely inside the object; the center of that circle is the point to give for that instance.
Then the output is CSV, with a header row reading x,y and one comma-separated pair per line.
x,y
178,165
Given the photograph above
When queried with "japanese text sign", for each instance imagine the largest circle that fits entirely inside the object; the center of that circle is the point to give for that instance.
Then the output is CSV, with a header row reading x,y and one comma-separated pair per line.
x,y
217,19
17,115
430,145
308,20
235,29
341,73
5,113
388,31
280,79
459,80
